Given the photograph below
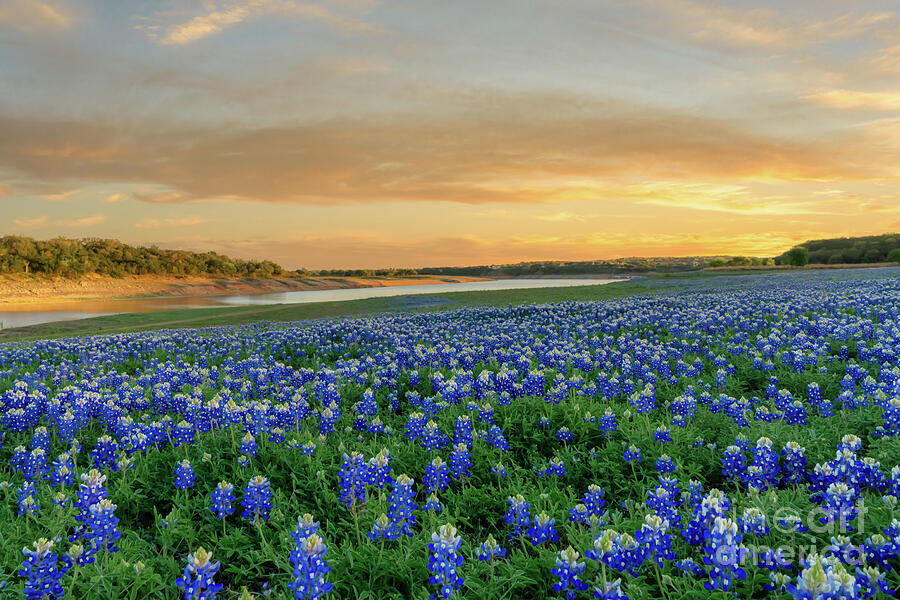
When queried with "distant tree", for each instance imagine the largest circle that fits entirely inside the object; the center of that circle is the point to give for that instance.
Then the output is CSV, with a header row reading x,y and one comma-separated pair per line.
x,y
894,255
797,257
836,259
717,262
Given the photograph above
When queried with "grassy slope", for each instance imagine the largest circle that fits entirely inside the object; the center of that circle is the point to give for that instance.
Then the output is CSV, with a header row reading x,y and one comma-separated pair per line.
x,y
211,317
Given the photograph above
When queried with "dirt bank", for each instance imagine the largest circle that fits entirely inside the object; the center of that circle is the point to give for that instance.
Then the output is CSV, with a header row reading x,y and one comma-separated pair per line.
x,y
36,290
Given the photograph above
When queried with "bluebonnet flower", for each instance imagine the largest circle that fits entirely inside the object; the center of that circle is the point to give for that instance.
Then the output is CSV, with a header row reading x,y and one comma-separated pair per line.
x,y
664,465
542,530
310,567
619,551
494,437
871,581
445,561
662,434
383,528
839,504
248,445
379,472
197,581
460,461
184,475
518,514
794,523
463,431
183,433
42,571
713,505
569,571
653,536
327,419
823,578
733,465
402,503
257,499
753,522
101,526
432,503
611,590
499,469
490,549
28,503
764,471
633,453
794,461
308,448
592,504
723,554
433,438
563,434
222,500
437,475
414,426
608,422
688,565
555,467
63,472
352,478
795,413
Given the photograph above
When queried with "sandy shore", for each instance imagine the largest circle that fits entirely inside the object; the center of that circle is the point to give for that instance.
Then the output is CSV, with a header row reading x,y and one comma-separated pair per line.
x,y
42,290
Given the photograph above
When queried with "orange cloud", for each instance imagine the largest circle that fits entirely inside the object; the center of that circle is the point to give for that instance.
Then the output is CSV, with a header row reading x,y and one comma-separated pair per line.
x,y
232,13
30,16
87,221
32,222
858,99
529,149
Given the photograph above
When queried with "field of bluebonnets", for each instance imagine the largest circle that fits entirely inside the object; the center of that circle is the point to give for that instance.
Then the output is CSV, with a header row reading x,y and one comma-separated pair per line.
x,y
728,439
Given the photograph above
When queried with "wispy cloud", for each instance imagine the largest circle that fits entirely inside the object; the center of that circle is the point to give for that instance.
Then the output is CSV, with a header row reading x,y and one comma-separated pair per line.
x,y
113,198
154,223
888,101
225,14
87,221
717,23
31,222
29,16
61,196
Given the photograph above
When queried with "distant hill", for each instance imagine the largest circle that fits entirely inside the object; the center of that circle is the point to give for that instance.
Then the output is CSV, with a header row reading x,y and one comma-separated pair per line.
x,y
607,267
71,258
849,250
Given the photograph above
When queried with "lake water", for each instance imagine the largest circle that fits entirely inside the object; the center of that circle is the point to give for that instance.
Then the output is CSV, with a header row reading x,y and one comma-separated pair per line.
x,y
12,316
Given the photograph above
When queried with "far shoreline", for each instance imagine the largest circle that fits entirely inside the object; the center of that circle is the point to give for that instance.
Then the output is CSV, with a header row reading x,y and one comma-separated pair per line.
x,y
24,292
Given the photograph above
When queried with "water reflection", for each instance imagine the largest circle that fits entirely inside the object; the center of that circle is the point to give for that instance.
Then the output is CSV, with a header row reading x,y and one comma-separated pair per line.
x,y
20,316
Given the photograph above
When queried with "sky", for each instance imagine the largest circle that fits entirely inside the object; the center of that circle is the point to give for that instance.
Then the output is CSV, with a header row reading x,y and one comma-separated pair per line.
x,y
367,134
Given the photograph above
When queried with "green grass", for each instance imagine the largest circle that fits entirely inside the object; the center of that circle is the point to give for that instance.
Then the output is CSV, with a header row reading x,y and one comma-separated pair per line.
x,y
212,317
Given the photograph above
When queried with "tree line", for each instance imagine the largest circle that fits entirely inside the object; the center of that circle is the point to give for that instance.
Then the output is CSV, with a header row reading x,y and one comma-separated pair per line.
x,y
72,258
847,250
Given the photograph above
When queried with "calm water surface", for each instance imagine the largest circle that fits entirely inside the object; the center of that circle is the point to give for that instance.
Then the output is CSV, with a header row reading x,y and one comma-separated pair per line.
x,y
31,315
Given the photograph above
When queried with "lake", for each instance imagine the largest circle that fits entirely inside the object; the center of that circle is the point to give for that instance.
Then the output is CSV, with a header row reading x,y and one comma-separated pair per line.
x,y
20,316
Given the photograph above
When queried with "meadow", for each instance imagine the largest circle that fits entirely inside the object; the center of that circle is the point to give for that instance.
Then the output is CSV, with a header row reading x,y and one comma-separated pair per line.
x,y
709,437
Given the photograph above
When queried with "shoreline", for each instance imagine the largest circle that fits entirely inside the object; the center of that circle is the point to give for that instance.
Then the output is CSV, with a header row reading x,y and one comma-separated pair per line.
x,y
21,292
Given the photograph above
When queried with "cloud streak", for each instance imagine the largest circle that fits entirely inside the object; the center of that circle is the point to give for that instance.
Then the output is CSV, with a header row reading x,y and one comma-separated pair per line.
x,y
229,14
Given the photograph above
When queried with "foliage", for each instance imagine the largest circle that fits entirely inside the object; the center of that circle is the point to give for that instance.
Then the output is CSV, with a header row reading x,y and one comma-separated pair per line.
x,y
849,250
71,258
797,257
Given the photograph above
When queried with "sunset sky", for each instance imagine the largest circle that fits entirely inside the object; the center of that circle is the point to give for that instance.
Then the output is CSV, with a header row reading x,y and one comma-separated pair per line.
x,y
358,133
